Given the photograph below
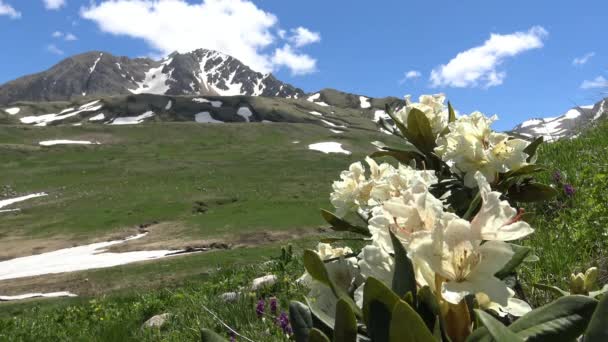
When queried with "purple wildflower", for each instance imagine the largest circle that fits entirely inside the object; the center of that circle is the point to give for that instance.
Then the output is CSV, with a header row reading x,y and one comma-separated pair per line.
x,y
260,308
273,306
569,190
232,336
283,322
557,176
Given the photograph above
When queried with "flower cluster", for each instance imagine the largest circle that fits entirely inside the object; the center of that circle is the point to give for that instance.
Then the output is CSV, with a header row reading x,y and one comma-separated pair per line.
x,y
438,235
432,106
472,146
462,256
356,191
453,256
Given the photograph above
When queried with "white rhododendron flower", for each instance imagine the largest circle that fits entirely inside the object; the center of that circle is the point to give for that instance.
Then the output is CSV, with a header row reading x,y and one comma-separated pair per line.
x,y
342,272
356,191
497,220
472,146
375,261
346,194
465,265
433,108
415,211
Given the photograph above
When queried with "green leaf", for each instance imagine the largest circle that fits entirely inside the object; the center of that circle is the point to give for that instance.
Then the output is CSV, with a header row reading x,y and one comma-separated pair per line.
x,y
531,192
428,306
317,335
553,289
530,150
341,225
378,303
498,331
597,331
322,317
562,320
300,318
210,336
316,268
404,278
419,127
400,125
406,325
521,252
345,329
451,113
525,170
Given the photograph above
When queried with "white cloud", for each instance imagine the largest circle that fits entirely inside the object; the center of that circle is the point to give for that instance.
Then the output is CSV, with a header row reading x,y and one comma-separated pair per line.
x,y
598,82
235,27
70,37
299,64
302,36
410,75
583,59
52,48
8,10
66,36
478,66
54,4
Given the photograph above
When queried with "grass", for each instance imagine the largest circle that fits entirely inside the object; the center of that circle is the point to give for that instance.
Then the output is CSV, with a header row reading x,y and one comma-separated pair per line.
x,y
570,236
120,317
571,231
250,178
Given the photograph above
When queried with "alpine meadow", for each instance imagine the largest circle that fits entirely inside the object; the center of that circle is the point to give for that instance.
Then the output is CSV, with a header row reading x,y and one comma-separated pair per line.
x,y
235,170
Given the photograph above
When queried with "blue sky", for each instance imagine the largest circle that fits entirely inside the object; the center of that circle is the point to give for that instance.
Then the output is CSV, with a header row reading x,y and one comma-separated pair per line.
x,y
544,57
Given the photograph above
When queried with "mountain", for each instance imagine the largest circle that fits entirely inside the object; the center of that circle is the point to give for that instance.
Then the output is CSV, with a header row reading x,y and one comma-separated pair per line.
x,y
567,125
200,72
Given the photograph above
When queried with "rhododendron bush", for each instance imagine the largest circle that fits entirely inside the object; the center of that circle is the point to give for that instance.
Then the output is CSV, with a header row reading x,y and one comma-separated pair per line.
x,y
439,223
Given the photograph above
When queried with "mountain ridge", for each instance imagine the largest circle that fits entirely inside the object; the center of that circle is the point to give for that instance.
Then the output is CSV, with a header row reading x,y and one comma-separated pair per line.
x,y
98,73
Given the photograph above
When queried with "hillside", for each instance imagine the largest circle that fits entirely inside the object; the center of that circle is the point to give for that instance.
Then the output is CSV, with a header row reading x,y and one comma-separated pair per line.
x,y
567,125
581,218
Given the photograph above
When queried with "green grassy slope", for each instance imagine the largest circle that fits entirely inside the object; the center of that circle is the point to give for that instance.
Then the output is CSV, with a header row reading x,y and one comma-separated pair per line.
x,y
570,231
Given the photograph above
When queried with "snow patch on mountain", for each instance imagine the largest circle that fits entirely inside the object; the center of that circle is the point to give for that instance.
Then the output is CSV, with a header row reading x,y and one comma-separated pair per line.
x,y
45,119
328,147
13,111
97,117
216,104
78,258
245,112
91,69
205,117
364,102
37,295
66,142
155,81
132,120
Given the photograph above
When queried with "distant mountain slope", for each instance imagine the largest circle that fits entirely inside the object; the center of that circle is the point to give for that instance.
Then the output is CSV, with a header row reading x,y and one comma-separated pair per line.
x,y
200,72
566,125
140,108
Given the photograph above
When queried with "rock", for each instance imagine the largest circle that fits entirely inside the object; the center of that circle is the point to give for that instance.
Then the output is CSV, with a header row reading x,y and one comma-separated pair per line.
x,y
230,296
157,321
264,281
